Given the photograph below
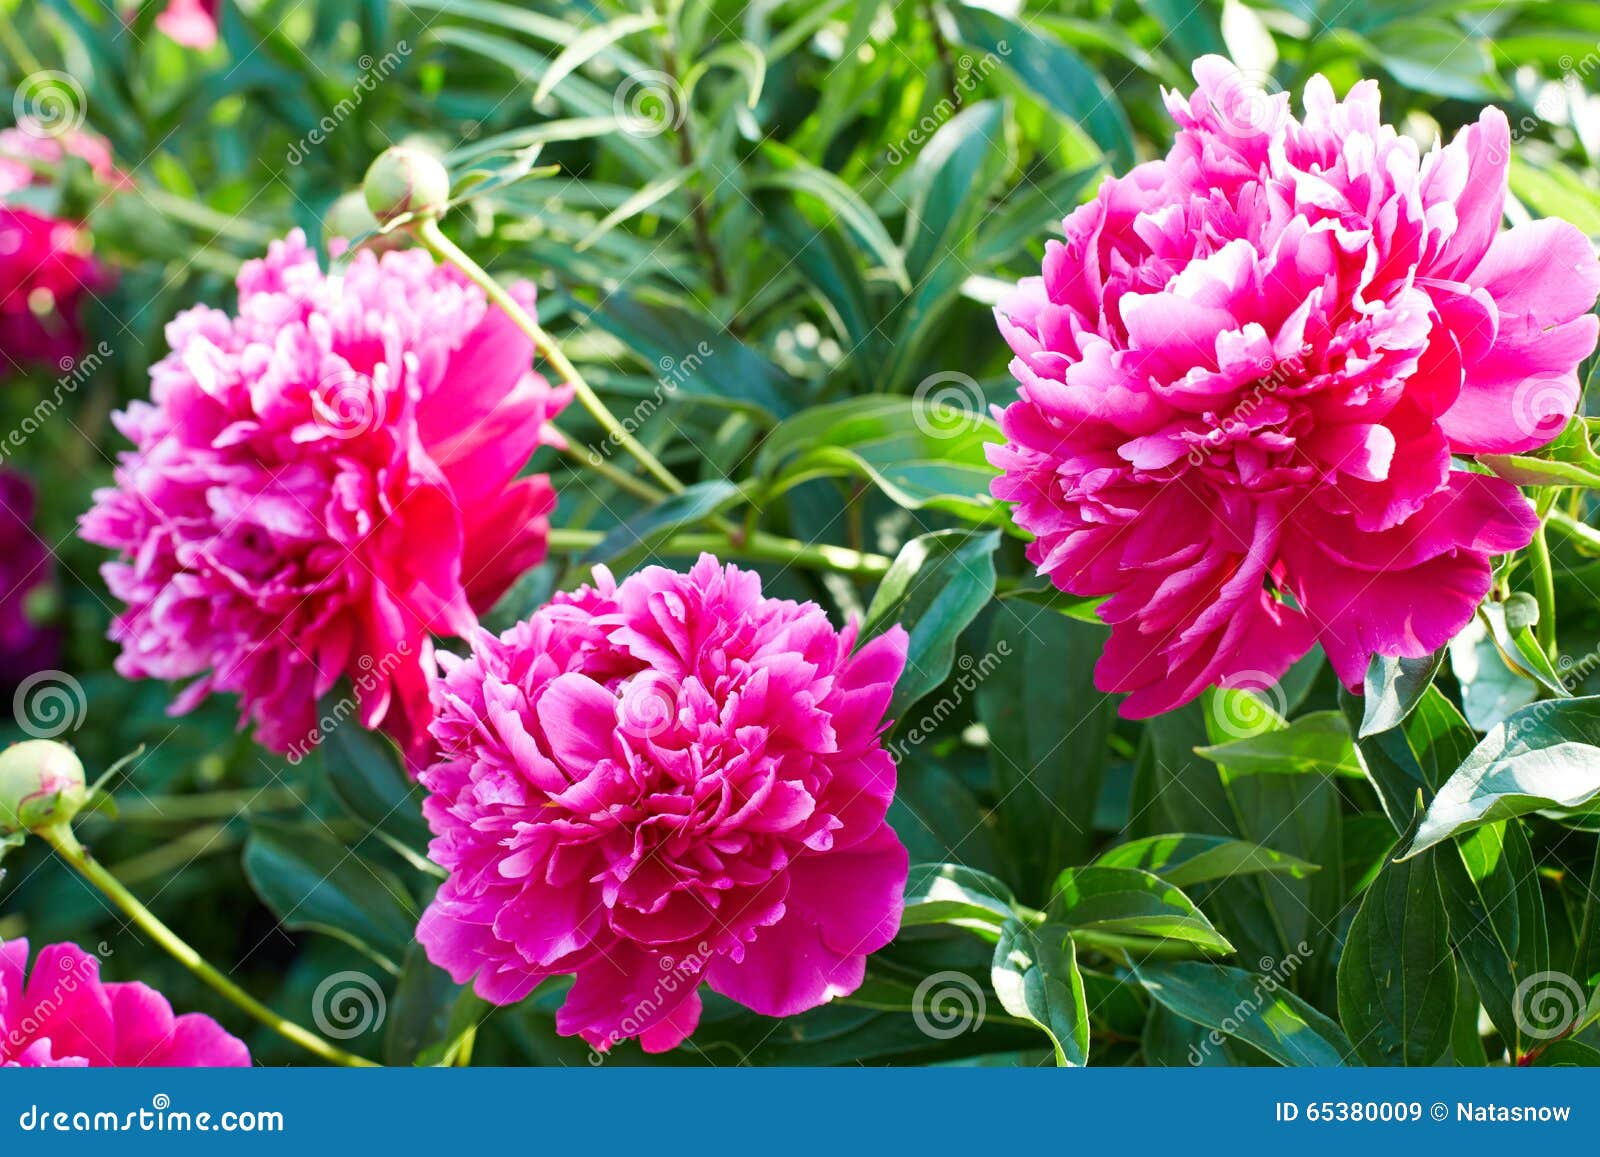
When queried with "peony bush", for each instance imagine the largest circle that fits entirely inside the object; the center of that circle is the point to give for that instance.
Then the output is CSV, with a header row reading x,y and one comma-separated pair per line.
x,y
875,535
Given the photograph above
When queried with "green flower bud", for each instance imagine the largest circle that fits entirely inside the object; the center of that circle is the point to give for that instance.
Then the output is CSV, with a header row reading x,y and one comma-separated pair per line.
x,y
406,180
41,784
349,218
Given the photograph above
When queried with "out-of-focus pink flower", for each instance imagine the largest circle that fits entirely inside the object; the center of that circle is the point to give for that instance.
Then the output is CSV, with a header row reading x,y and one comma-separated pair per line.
x,y
322,481
191,23
46,269
27,570
63,1016
1244,373
661,782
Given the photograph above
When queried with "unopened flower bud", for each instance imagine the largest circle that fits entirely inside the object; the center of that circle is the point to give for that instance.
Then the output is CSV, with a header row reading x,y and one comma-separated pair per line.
x,y
406,180
349,218
41,784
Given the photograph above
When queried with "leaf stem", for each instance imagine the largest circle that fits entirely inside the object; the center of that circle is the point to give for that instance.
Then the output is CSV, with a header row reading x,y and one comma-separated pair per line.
x,y
444,249
1544,588
61,838
757,547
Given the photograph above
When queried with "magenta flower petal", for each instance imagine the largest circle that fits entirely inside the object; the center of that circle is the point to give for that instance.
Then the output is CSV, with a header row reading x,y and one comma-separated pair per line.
x,y
320,484
658,781
64,1016
1244,373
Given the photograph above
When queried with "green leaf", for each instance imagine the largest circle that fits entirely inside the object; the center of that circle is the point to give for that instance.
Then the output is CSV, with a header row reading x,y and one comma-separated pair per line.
x,y
637,537
663,333
949,182
1497,920
429,1013
798,175
1184,860
1393,688
589,44
315,884
366,774
1047,736
1317,744
955,894
1055,73
1397,976
936,587
1564,1053
1256,1009
642,201
921,451
1036,977
1121,905
1545,757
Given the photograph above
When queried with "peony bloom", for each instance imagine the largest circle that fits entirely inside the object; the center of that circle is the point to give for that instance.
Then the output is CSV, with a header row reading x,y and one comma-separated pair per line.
x,y
320,482
65,1017
659,782
191,23
27,572
1246,370
46,270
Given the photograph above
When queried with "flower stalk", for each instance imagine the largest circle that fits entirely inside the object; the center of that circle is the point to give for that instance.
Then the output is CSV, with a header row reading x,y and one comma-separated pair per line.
x,y
61,838
429,233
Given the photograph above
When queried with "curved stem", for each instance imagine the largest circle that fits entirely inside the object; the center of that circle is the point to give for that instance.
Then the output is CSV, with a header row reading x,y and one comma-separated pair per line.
x,y
593,462
446,250
1544,590
67,846
758,547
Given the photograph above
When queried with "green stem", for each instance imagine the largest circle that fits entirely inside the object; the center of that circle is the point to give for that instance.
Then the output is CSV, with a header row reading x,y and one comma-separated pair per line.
x,y
12,41
758,547
1544,590
1583,536
598,465
67,846
204,218
446,250
1580,955
1544,579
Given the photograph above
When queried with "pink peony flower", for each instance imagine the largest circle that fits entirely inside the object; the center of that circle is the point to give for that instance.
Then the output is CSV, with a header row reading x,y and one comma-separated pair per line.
x,y
659,782
322,481
46,270
1244,374
191,23
65,1017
